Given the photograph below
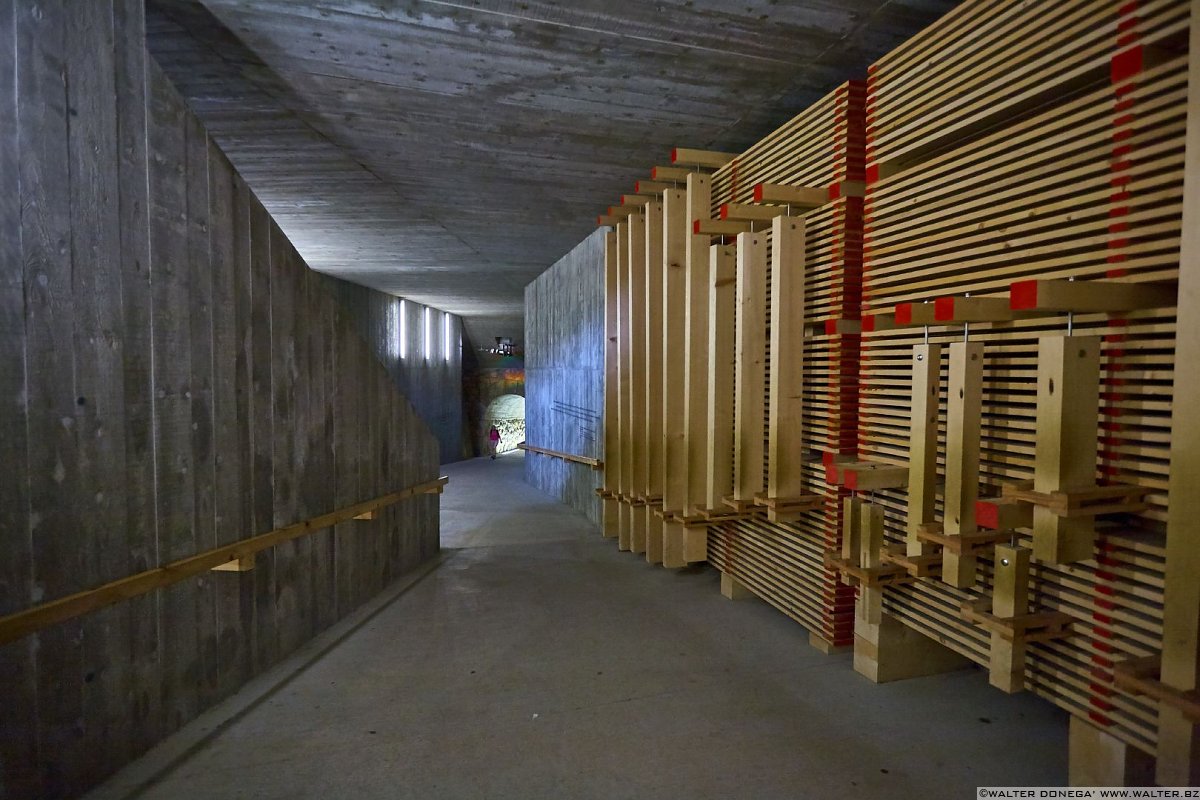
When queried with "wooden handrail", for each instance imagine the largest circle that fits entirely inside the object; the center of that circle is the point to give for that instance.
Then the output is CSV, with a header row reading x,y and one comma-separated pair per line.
x,y
594,463
23,623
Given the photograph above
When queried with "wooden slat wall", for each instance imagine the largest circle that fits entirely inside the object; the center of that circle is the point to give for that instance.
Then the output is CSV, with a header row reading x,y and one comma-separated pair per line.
x,y
821,147
564,374
1049,144
173,378
1035,198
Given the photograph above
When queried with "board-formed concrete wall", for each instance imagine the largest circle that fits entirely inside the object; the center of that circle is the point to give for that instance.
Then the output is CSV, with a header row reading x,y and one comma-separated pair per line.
x,y
432,384
172,378
564,374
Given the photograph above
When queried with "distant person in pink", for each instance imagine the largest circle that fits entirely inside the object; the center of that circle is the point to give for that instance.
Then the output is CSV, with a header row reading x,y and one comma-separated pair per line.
x,y
494,439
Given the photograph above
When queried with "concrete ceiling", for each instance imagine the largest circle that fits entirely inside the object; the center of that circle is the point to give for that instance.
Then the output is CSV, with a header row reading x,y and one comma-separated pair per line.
x,y
450,151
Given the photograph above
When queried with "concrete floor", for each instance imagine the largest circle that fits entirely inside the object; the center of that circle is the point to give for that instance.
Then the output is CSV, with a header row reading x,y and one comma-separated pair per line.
x,y
534,660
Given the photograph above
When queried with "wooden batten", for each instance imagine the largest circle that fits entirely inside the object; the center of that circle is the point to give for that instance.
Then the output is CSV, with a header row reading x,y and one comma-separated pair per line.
x,y
1010,598
1090,296
652,187
1178,736
964,407
741,212
719,227
243,564
652,377
960,310
700,158
923,443
907,315
749,362
677,176
639,456
800,198
695,348
724,261
785,393
674,376
1068,403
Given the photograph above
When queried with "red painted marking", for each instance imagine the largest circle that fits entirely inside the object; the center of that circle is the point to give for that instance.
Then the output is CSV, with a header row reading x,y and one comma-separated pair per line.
x,y
1120,180
1124,119
943,309
1099,719
598,219
987,514
654,172
724,211
1117,227
1120,136
1125,104
1116,244
1022,295
758,193
1118,211
1105,575
868,323
1103,705
1106,590
1118,152
1126,64
831,326
1126,39
903,313
1107,605
1101,660
1127,23
1121,166
872,173
1113,259
674,154
696,227
1128,8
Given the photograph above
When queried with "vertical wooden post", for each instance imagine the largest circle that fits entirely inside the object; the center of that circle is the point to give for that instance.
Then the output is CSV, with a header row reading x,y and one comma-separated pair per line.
x,y
733,589
676,231
785,394
1010,598
851,529
612,439
1179,738
1097,758
699,198
1068,406
637,379
963,405
750,359
699,202
922,450
625,402
723,265
652,486
884,648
